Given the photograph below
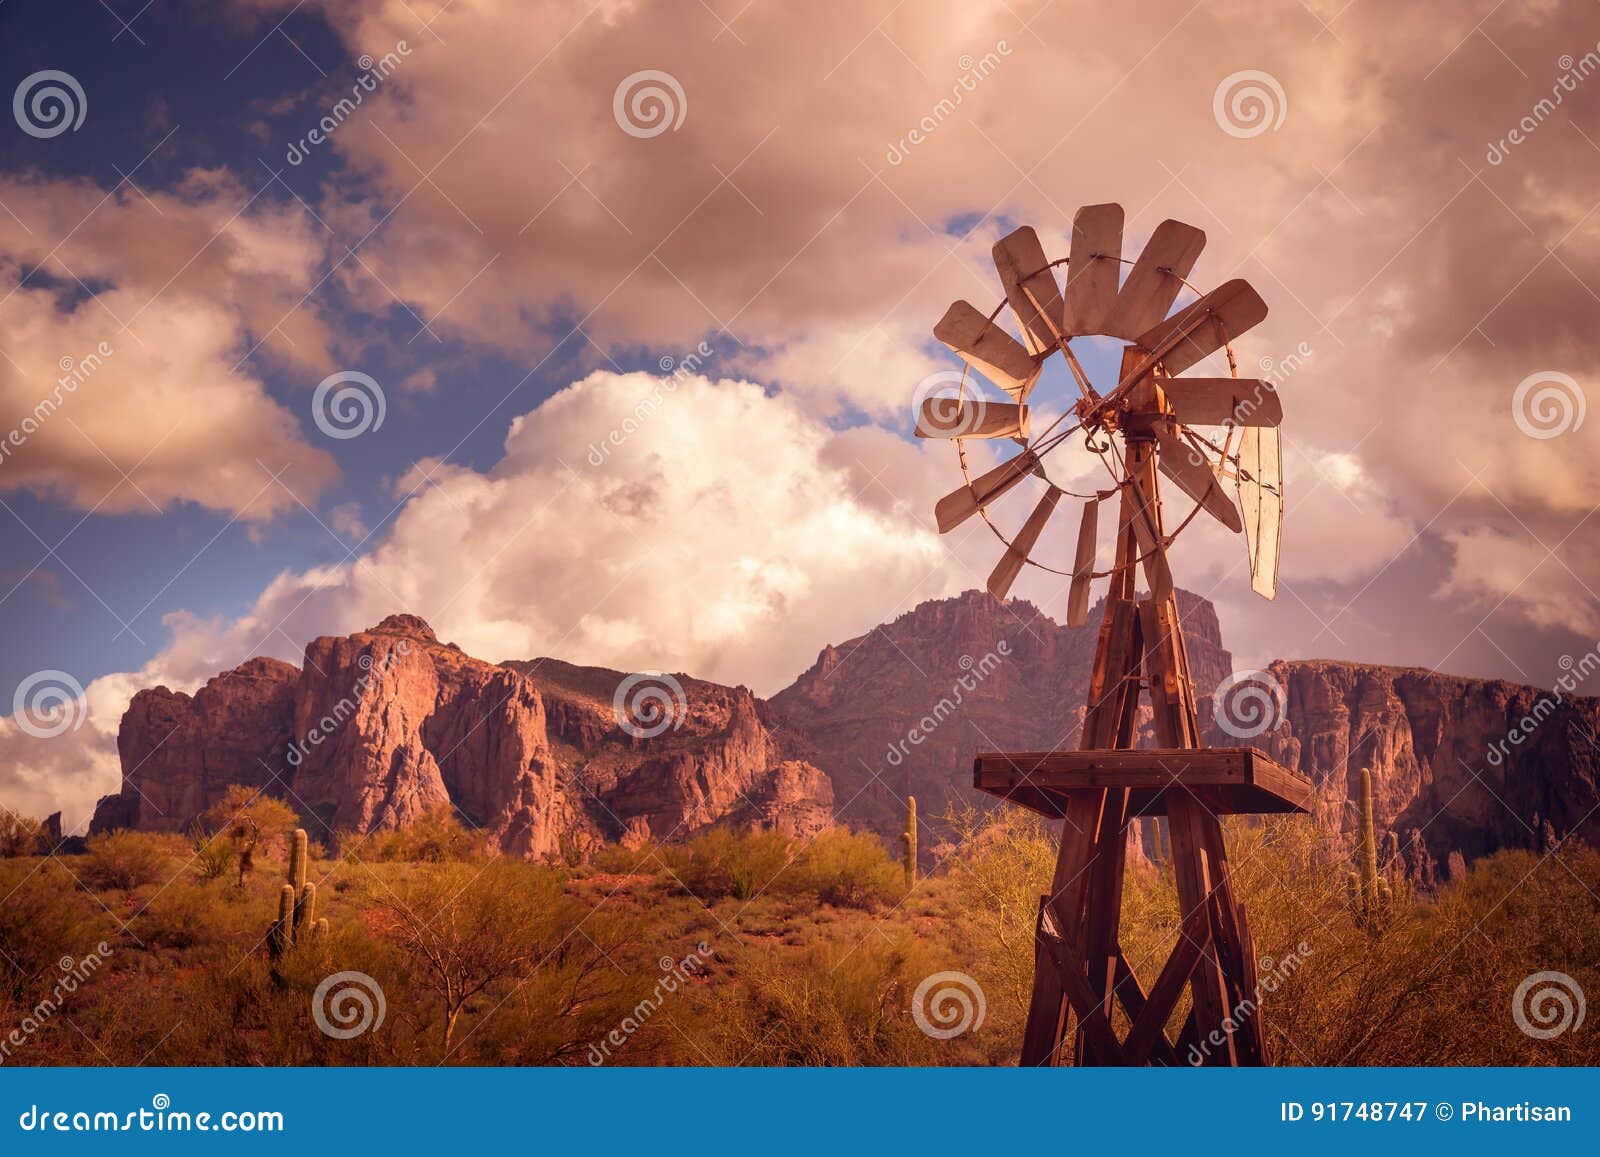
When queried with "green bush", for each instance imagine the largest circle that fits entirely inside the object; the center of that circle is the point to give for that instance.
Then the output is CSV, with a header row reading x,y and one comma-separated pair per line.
x,y
721,862
436,838
846,869
19,835
129,860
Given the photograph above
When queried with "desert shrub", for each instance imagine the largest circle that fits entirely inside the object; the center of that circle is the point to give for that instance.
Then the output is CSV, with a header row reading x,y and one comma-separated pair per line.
x,y
19,835
44,920
128,860
251,822
464,929
214,854
828,1004
846,869
722,862
436,838
183,915
614,859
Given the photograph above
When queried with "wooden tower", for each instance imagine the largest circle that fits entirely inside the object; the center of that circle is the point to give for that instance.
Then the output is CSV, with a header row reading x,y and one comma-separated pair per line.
x,y
1082,975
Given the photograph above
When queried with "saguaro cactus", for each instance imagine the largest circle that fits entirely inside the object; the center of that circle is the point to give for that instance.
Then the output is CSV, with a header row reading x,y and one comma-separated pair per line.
x,y
297,902
1369,892
909,838
281,936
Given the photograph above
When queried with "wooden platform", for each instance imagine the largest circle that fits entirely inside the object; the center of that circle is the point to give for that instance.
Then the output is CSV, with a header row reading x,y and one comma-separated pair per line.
x,y
1227,780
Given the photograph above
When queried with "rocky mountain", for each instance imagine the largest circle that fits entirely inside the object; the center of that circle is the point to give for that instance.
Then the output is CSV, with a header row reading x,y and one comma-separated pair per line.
x,y
550,758
902,709
1459,765
388,724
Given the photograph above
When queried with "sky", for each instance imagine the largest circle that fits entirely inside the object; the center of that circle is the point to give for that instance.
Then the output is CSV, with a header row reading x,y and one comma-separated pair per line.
x,y
593,330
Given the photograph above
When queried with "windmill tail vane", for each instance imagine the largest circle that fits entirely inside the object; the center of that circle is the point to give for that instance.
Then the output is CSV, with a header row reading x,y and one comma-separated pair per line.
x,y
1152,410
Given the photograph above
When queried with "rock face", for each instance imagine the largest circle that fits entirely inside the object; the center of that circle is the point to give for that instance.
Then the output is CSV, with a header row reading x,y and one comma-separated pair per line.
x,y
902,709
381,727
551,759
1464,766
179,752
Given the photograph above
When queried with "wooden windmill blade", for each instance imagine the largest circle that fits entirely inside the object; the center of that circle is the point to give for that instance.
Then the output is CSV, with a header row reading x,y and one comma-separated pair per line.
x,y
1194,331
1093,268
1140,514
1192,471
1010,564
1261,498
989,349
1223,401
950,417
1030,286
961,504
1155,280
1083,563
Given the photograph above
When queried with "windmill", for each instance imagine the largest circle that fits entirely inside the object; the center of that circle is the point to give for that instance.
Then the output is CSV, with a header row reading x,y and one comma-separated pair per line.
x,y
1159,418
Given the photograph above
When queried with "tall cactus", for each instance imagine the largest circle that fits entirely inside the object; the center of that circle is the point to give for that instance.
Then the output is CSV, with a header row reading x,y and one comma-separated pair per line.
x,y
297,859
281,937
1369,892
909,838
297,902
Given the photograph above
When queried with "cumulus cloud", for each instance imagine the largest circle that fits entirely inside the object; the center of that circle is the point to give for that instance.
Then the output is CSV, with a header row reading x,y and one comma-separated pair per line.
x,y
121,387
633,521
